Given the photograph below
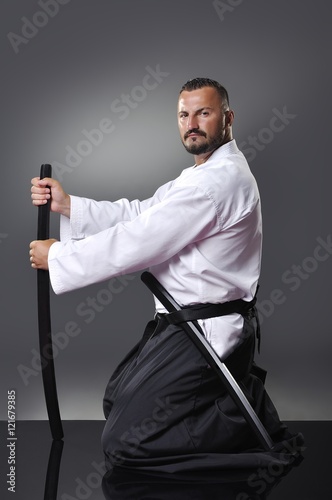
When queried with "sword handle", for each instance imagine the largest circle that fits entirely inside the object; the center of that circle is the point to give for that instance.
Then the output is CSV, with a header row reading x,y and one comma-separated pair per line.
x,y
44,210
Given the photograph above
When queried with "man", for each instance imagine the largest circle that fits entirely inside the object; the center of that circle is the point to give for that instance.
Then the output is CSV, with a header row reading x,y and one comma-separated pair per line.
x,y
200,235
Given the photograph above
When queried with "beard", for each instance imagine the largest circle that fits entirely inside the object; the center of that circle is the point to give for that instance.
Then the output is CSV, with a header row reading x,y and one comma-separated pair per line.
x,y
209,145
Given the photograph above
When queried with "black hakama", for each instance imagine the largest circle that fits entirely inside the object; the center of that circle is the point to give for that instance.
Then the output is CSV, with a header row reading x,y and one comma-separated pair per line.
x,y
167,410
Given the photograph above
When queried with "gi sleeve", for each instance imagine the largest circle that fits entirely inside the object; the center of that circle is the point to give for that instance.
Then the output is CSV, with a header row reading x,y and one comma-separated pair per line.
x,y
88,217
185,214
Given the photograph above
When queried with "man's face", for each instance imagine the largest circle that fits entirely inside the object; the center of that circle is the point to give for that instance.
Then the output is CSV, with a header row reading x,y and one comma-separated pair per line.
x,y
203,124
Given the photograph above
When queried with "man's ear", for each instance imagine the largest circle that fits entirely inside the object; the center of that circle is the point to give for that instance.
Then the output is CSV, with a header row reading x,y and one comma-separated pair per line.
x,y
229,117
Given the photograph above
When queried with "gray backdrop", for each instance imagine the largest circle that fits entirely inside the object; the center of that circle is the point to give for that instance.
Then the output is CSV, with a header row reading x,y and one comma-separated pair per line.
x,y
69,68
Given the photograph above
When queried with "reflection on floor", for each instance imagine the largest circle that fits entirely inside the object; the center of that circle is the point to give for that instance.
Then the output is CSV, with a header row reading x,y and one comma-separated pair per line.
x,y
73,469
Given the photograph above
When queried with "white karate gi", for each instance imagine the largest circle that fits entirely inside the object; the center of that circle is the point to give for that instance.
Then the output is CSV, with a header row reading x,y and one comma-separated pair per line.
x,y
200,235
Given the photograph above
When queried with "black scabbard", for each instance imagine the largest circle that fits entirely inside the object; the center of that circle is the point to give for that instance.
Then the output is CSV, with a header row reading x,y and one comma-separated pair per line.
x,y
211,357
44,323
53,470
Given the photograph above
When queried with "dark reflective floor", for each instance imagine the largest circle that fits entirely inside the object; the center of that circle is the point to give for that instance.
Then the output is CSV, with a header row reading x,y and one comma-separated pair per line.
x,y
74,470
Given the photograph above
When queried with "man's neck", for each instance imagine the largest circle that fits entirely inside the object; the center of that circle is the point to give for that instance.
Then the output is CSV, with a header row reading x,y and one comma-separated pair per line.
x,y
204,157
199,159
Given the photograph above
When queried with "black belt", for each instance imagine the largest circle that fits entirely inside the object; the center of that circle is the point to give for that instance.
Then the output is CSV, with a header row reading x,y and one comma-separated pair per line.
x,y
209,310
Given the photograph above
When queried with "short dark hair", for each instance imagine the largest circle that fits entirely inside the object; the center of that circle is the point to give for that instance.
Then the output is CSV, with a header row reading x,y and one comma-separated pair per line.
x,y
199,83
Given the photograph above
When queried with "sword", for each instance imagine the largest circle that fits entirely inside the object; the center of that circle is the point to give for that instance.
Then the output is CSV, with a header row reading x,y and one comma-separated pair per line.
x,y
44,323
53,470
211,357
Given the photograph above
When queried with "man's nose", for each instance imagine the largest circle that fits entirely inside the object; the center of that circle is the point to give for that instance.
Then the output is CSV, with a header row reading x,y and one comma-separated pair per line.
x,y
192,123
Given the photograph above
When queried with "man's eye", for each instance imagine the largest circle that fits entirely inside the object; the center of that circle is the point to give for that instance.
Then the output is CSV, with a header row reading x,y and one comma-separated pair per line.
x,y
205,113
